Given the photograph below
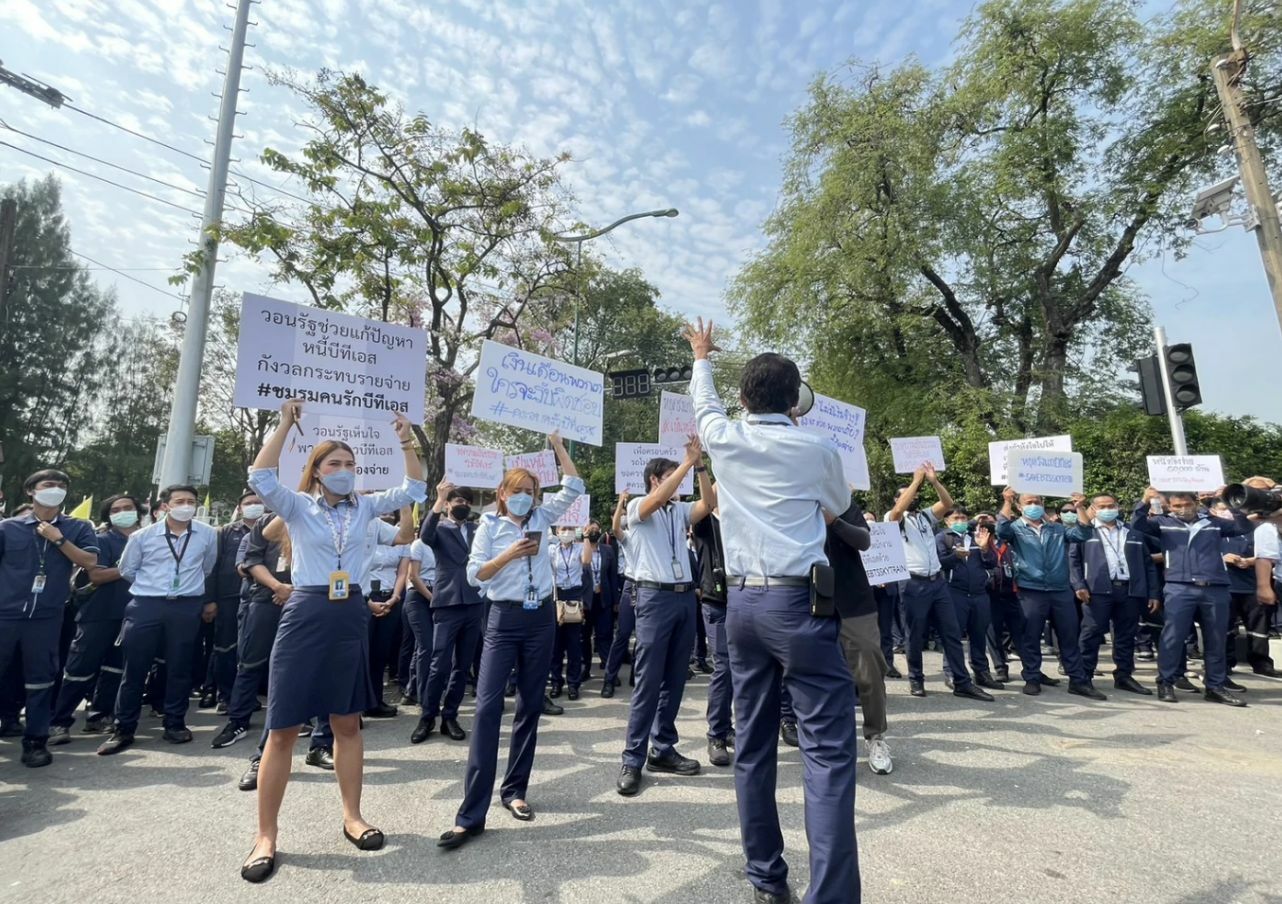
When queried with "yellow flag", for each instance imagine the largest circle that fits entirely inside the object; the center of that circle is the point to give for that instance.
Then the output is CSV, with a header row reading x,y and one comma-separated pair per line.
x,y
206,500
83,509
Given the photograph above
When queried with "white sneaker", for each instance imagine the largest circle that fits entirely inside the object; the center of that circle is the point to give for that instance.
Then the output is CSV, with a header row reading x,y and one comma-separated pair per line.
x,y
879,760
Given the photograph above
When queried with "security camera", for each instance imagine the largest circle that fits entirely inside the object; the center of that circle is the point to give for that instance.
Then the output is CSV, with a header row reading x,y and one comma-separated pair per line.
x,y
1214,201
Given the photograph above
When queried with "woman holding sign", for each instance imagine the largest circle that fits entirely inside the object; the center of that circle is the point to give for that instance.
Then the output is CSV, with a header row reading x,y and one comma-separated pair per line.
x,y
510,564
319,663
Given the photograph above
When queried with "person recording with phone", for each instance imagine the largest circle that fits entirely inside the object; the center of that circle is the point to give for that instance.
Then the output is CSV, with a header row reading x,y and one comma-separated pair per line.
x,y
509,563
969,560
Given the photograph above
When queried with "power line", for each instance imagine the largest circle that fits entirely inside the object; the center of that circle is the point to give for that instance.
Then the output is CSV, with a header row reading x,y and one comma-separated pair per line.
x,y
116,269
128,277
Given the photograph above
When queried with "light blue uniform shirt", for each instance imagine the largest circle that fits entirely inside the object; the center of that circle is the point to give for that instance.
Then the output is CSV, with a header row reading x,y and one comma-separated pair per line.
x,y
312,524
657,548
774,482
567,564
384,558
151,565
426,559
495,533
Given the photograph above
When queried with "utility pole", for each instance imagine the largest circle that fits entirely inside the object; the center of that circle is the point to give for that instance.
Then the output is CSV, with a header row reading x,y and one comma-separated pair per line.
x,y
1227,72
1173,414
8,234
182,414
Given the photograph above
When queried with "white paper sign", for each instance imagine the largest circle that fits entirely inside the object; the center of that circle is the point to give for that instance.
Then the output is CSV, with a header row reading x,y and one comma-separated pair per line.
x,y
910,452
844,425
998,451
1045,473
1194,473
886,560
541,464
522,389
473,466
630,460
380,463
336,363
676,419
577,515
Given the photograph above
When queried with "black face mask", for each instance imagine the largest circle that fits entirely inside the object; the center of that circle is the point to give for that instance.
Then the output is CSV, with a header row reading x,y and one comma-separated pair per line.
x,y
592,536
460,512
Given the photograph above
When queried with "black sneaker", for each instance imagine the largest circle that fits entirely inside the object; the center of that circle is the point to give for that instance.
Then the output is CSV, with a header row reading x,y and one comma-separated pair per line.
x,y
672,762
221,708
607,690
381,711
892,672
11,727
704,667
718,755
96,726
550,708
118,741
35,754
320,757
572,693
208,701
1184,684
180,735
788,733
230,734
1230,684
555,692
59,735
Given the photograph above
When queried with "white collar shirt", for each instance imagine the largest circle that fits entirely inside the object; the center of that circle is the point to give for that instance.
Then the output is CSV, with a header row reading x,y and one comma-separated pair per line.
x,y
657,545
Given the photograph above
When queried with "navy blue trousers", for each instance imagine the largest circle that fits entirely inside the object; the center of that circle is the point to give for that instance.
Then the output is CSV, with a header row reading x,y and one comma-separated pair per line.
x,y
382,637
974,615
598,630
925,601
93,670
567,650
405,677
720,698
774,641
158,628
1182,604
418,618
256,636
514,637
1122,611
455,633
35,640
888,625
665,636
1007,621
1059,608
626,624
222,661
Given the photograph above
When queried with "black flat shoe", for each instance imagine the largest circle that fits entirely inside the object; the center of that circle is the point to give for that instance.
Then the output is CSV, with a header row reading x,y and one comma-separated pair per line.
x,y
249,781
452,839
629,782
370,840
608,690
892,672
423,730
572,694
520,812
452,730
550,708
1047,680
259,869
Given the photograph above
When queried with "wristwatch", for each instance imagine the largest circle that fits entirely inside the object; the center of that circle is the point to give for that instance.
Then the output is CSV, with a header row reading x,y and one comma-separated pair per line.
x,y
699,469
58,543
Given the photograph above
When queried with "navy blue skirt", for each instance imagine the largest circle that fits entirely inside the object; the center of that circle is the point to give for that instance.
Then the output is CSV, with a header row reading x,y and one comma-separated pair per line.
x,y
320,661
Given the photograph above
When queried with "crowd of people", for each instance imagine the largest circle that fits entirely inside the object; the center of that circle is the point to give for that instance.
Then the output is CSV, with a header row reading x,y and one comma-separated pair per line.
x,y
322,598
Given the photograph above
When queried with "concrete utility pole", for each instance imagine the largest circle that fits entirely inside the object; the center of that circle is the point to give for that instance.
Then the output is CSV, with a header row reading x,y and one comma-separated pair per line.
x,y
182,415
1227,72
8,234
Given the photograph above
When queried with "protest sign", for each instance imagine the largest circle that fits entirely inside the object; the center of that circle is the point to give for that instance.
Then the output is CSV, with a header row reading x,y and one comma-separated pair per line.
x,y
577,515
630,460
380,463
335,363
1193,473
886,560
473,466
522,389
910,452
844,425
541,464
998,451
676,419
1045,473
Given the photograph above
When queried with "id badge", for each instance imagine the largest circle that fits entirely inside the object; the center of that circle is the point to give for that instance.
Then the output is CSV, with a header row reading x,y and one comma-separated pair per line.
x,y
338,586
282,564
532,600
38,584
676,571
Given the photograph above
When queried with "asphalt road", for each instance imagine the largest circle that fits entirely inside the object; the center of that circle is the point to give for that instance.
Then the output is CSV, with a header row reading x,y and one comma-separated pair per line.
x,y
1027,799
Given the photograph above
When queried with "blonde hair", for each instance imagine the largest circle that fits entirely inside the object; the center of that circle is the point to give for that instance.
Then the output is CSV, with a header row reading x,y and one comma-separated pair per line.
x,y
511,482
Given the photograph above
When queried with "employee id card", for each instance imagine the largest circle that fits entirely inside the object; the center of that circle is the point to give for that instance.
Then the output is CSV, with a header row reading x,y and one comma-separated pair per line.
x,y
532,600
677,573
38,584
282,564
339,587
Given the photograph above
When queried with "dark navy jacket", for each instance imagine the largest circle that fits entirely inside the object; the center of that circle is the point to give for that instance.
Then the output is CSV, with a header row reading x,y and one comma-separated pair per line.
x,y
970,575
1195,560
21,551
225,580
452,543
108,602
609,575
1041,560
260,551
1241,580
1088,565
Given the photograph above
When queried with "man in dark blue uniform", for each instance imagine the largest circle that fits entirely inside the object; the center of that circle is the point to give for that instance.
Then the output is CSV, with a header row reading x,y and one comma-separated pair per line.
x,y
37,554
600,577
224,589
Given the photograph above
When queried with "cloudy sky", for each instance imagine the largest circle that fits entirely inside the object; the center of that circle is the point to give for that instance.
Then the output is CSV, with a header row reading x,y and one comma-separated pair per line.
x,y
661,103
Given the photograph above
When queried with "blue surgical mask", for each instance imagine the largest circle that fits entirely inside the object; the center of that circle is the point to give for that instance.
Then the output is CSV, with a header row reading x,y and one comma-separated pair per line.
x,y
1034,512
1069,518
340,483
519,504
1106,516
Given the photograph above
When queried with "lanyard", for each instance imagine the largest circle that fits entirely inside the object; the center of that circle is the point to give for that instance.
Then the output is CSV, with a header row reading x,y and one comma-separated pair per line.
x,y
596,566
338,529
567,560
177,556
1116,547
670,530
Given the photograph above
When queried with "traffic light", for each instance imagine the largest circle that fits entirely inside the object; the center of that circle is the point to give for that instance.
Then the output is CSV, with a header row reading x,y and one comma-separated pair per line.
x,y
1182,371
629,384
1150,373
679,373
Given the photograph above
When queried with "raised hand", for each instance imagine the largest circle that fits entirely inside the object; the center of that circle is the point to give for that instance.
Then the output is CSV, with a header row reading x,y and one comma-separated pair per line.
x,y
700,339
403,430
694,450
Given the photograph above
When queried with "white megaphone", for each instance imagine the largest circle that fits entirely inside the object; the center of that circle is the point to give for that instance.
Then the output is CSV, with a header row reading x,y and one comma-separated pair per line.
x,y
805,400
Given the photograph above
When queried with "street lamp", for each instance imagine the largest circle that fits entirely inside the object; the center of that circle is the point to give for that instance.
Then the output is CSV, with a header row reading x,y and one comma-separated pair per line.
x,y
579,240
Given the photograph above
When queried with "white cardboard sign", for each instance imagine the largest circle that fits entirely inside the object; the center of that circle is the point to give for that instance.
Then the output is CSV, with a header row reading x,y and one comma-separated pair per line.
x,y
630,460
380,463
577,515
844,425
676,419
910,452
1045,473
522,389
1193,473
886,560
998,451
473,466
541,464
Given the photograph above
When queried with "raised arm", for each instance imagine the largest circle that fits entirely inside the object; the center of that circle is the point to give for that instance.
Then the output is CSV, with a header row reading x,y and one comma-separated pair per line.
x,y
563,456
945,503
620,510
907,497
707,501
269,455
709,414
668,487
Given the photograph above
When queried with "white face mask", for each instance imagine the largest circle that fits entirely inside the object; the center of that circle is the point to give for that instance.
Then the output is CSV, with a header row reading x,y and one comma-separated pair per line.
x,y
251,512
127,518
50,496
182,512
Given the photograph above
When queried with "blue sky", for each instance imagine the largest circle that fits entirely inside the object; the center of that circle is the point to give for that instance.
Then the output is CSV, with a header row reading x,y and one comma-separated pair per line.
x,y
659,103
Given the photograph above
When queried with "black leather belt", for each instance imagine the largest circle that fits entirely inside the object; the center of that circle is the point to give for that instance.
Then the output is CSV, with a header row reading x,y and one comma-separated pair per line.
x,y
1122,583
937,576
1201,583
519,604
352,589
770,581
670,588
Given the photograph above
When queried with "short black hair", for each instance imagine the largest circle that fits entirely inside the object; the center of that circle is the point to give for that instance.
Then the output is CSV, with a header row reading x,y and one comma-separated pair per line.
x,y
658,467
957,510
770,384
1181,494
245,494
178,488
104,510
462,493
46,474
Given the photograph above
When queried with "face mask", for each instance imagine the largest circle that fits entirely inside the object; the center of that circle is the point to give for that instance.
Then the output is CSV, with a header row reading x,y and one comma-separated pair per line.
x,y
1034,512
519,504
567,539
1106,516
593,535
50,496
340,483
1069,518
460,512
251,512
958,528
124,519
182,512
